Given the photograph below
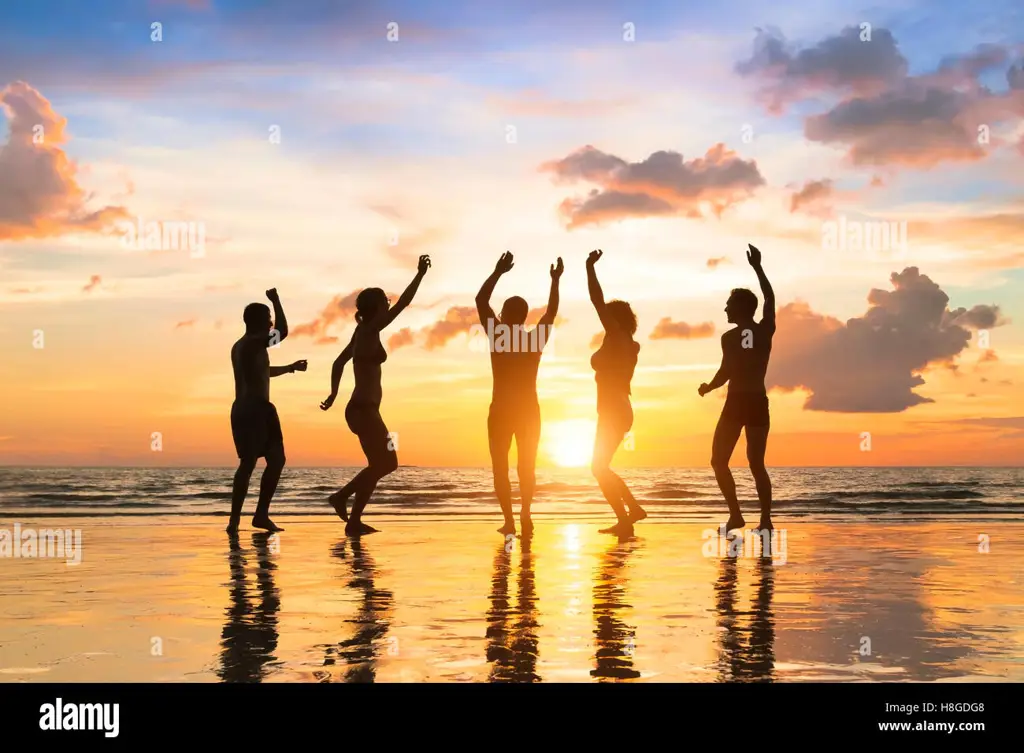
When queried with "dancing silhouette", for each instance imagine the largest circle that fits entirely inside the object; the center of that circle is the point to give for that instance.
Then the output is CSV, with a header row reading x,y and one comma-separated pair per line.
x,y
753,661
255,425
745,352
515,411
513,653
616,641
613,364
249,638
360,653
362,414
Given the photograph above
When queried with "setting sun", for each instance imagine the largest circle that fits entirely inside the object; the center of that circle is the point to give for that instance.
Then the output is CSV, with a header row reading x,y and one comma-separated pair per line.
x,y
570,444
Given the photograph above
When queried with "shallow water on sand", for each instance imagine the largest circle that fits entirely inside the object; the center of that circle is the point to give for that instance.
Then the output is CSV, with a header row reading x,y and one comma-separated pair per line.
x,y
173,600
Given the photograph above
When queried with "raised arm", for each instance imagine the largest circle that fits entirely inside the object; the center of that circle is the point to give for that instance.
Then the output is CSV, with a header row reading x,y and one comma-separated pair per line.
x,y
336,371
386,317
483,298
596,294
552,310
768,319
724,372
280,331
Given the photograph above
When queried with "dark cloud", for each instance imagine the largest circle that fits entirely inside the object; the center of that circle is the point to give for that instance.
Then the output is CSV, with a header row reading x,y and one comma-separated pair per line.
x,y
885,116
662,184
872,363
842,63
667,329
977,317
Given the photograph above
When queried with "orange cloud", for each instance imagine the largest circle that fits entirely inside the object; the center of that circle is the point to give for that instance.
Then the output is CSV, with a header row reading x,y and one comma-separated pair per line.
x,y
400,339
39,195
341,308
185,324
667,329
457,320
94,281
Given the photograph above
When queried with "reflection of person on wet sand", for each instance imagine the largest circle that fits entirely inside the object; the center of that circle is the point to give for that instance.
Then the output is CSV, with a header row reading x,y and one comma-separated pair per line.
x,y
249,638
754,661
613,364
616,641
360,652
362,414
255,425
514,657
745,352
515,411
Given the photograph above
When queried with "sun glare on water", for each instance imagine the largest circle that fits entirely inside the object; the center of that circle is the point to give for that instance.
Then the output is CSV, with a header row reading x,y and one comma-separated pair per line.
x,y
570,444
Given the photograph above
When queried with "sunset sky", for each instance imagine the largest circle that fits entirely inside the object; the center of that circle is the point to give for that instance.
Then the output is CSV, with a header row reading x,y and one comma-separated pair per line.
x,y
667,134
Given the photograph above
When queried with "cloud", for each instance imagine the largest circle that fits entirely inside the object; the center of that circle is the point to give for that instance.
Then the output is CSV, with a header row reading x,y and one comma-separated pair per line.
x,y
94,282
872,363
885,116
977,317
839,63
400,339
185,324
714,263
813,197
988,356
39,194
662,184
597,340
341,308
534,103
666,329
457,319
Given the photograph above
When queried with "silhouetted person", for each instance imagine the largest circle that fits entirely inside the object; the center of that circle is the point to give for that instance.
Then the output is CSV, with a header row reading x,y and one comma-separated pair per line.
x,y
513,653
613,364
616,641
360,652
515,411
249,638
745,352
255,425
362,414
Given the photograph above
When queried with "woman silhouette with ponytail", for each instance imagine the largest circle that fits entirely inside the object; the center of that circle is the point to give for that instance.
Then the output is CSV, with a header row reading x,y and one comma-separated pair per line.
x,y
362,414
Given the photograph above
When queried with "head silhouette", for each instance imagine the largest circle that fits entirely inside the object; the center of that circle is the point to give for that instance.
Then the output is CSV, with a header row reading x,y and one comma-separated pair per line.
x,y
741,306
514,311
622,313
257,318
369,303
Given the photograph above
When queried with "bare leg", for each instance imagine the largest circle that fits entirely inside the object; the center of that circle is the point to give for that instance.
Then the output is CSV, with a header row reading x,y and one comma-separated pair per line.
x,y
499,440
757,443
339,498
239,489
382,459
606,442
527,441
268,485
727,433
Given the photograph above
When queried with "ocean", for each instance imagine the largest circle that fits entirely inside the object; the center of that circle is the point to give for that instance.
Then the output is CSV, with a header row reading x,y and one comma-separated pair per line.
x,y
863,494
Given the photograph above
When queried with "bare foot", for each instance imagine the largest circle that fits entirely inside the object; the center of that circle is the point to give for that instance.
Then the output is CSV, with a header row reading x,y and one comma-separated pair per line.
x,y
637,513
337,501
765,524
266,524
509,527
232,528
622,528
359,529
735,521
527,525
